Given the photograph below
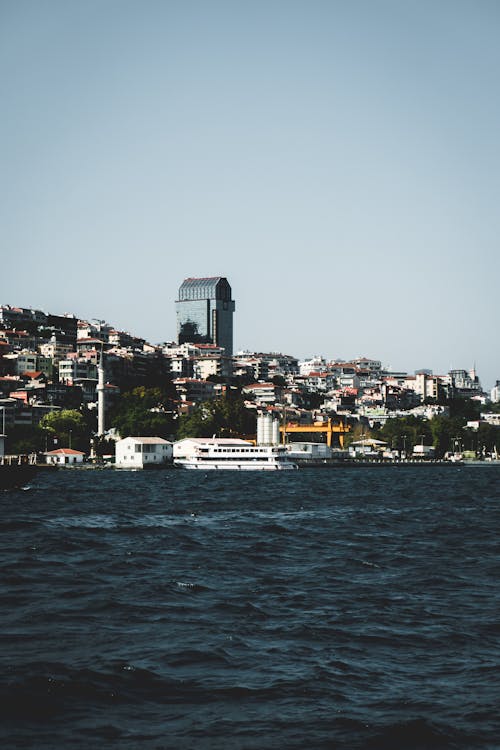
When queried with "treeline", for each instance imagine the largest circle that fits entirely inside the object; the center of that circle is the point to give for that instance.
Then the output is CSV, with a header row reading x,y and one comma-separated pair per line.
x,y
444,433
141,411
153,411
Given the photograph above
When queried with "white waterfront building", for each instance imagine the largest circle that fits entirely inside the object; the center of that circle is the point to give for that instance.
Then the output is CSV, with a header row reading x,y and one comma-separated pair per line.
x,y
142,452
64,457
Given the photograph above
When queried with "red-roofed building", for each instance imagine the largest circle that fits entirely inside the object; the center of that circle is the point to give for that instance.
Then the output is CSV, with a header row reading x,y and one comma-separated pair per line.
x,y
64,457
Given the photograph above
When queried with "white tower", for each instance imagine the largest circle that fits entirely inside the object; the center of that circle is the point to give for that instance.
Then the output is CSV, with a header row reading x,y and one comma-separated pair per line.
x,y
100,397
2,434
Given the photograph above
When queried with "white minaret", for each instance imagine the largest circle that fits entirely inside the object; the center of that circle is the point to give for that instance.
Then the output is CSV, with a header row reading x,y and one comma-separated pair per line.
x,y
100,396
2,434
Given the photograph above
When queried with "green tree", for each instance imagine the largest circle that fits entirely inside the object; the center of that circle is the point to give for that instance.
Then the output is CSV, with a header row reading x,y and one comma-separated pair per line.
x,y
464,408
493,408
406,432
445,431
224,417
358,432
278,380
68,427
488,438
145,412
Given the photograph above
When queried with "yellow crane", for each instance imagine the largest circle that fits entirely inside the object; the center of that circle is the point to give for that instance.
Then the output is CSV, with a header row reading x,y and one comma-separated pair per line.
x,y
328,427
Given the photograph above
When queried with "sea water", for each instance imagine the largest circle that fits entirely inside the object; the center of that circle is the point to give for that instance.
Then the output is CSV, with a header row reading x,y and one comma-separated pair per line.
x,y
324,608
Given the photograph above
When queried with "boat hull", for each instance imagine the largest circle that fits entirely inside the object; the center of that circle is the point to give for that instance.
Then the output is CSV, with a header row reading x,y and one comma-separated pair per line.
x,y
208,466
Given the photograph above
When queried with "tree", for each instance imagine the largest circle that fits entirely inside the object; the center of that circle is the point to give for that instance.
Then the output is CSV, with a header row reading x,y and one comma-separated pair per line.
x,y
464,408
68,427
145,412
358,432
488,437
224,416
278,380
493,408
445,431
406,432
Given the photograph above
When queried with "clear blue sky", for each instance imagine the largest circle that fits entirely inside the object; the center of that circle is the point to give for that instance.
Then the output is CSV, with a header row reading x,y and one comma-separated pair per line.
x,y
337,161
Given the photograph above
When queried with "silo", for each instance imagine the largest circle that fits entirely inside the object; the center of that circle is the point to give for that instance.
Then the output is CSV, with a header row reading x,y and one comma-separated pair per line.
x,y
260,429
275,432
268,429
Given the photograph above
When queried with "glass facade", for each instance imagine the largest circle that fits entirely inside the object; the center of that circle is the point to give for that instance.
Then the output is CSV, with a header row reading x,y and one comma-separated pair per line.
x,y
205,312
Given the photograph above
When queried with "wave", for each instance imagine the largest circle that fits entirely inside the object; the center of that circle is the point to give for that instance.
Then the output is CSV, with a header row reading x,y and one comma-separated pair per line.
x,y
94,521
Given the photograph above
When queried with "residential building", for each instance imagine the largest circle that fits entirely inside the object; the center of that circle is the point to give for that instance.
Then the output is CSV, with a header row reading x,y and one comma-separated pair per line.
x,y
9,383
18,340
62,328
21,318
125,339
463,384
492,418
207,365
56,350
76,368
250,363
316,364
90,344
319,381
67,396
96,329
495,392
263,393
8,407
424,384
266,365
364,363
194,389
32,361
205,312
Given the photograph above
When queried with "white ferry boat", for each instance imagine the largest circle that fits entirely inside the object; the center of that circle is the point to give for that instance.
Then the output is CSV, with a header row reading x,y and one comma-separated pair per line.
x,y
234,455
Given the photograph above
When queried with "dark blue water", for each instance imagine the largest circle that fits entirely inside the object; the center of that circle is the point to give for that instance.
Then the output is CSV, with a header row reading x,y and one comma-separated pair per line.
x,y
341,608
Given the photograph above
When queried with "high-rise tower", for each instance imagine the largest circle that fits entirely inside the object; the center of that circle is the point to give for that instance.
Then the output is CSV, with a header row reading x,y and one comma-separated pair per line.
x,y
205,312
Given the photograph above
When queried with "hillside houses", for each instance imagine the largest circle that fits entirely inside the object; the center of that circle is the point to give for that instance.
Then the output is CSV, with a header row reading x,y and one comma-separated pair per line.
x,y
51,362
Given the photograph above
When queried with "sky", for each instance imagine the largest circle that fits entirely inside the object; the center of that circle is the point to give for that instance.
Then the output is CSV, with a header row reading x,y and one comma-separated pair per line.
x,y
337,161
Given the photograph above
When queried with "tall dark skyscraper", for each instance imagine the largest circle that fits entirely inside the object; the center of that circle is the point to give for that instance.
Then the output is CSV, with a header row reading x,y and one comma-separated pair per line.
x,y
205,312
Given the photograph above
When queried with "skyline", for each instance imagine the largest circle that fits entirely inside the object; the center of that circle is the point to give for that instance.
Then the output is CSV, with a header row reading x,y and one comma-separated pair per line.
x,y
339,165
321,355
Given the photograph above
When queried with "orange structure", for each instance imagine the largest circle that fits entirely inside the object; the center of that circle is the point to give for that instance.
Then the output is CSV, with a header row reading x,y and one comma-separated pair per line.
x,y
330,429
